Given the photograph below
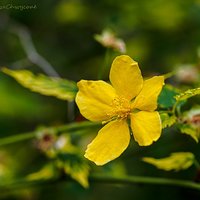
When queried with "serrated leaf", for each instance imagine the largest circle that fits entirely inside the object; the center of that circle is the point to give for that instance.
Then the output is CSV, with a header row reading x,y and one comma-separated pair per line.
x,y
176,161
188,94
167,120
166,98
191,131
75,166
61,88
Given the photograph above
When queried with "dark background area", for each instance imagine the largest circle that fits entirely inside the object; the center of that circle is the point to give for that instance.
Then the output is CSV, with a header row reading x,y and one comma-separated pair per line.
x,y
160,35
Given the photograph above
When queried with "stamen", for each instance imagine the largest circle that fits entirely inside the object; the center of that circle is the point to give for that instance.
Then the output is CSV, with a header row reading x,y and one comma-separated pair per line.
x,y
121,108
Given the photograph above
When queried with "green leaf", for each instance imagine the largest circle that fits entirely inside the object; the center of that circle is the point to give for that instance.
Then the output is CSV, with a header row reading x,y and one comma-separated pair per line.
x,y
166,98
49,86
76,166
49,171
167,120
176,161
191,131
188,94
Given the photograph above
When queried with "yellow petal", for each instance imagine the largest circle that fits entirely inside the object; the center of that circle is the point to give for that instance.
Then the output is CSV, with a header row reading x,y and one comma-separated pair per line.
x,y
110,142
94,99
146,127
147,98
126,77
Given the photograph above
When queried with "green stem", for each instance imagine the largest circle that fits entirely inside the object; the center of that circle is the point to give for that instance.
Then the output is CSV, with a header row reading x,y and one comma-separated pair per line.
x,y
69,128
105,64
100,178
76,126
17,138
196,163
144,180
174,108
169,75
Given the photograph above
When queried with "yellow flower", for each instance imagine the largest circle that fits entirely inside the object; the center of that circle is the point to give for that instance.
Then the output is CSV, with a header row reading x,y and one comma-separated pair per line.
x,y
127,99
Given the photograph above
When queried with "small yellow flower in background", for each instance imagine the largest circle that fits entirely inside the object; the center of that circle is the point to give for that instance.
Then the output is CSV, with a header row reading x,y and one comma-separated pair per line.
x,y
127,98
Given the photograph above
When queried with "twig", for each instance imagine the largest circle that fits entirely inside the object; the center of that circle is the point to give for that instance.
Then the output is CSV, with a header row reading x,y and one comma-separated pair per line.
x,y
20,63
29,48
104,179
35,58
69,128
104,64
144,180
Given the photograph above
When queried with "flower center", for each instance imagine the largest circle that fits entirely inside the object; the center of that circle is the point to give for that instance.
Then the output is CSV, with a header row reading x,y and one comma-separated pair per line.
x,y
121,108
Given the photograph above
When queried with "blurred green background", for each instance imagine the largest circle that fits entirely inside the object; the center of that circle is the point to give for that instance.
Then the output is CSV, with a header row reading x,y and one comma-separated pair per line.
x,y
160,35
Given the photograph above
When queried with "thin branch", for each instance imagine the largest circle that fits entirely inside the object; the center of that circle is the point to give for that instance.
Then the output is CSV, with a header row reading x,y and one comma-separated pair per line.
x,y
20,63
144,180
29,48
196,163
69,128
35,58
103,179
